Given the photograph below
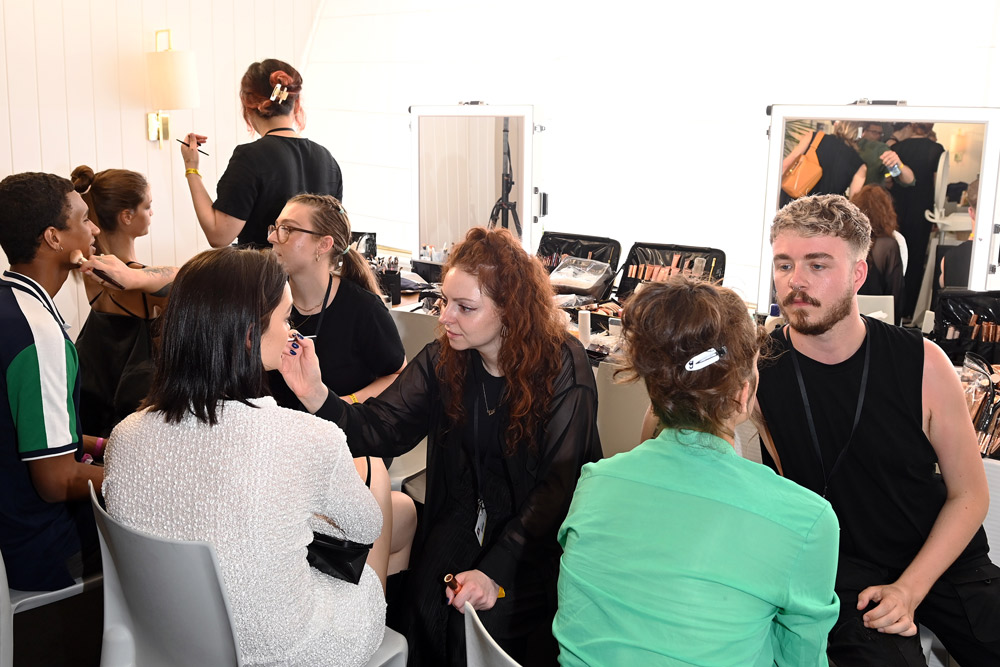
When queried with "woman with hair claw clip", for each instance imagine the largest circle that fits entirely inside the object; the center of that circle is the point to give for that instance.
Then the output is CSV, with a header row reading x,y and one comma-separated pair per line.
x,y
680,551
266,173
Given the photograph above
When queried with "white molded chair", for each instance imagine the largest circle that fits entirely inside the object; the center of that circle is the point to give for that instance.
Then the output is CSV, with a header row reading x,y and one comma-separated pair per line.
x,y
164,601
870,304
620,409
13,601
481,650
992,521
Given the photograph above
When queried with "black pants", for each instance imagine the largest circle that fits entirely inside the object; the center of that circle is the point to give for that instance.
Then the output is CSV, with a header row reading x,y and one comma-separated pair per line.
x,y
965,616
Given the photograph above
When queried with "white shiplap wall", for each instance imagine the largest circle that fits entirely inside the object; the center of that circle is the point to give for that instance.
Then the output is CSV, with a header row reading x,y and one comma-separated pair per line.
x,y
73,91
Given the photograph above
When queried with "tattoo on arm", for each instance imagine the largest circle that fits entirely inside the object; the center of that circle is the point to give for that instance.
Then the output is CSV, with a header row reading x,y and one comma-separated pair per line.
x,y
167,272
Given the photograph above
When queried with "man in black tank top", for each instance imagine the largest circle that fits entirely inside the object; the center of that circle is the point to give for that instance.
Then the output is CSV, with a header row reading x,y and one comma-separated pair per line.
x,y
860,412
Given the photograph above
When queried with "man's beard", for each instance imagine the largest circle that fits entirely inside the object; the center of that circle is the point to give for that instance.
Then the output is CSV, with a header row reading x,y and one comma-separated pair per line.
x,y
800,321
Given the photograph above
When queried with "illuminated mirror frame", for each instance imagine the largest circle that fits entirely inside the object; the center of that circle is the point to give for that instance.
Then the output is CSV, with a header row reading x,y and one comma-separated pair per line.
x,y
522,181
986,246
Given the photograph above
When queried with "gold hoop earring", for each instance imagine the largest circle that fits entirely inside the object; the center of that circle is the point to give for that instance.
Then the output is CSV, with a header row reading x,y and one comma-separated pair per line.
x,y
504,331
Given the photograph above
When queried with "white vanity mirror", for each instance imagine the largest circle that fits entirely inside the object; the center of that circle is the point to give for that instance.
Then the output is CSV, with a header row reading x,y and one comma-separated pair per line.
x,y
971,139
462,157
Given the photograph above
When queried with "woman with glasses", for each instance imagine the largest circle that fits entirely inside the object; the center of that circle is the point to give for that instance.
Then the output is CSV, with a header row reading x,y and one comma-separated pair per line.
x,y
263,174
336,299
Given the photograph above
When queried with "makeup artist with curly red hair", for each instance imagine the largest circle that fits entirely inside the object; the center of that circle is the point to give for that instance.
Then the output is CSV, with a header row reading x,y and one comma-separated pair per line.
x,y
265,173
508,403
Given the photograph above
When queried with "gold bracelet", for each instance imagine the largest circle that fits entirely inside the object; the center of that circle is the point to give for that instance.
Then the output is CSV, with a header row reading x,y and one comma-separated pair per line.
x,y
354,399
191,170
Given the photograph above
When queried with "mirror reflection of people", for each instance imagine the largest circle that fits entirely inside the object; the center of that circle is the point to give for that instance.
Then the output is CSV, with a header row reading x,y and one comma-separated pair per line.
x,y
211,457
843,168
921,154
874,418
956,265
680,551
880,159
265,173
885,263
508,403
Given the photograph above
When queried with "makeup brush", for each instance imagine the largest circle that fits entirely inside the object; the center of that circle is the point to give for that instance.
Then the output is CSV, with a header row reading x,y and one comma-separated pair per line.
x,y
77,258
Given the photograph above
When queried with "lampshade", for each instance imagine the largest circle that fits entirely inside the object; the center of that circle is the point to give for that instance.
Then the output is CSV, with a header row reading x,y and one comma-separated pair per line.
x,y
173,80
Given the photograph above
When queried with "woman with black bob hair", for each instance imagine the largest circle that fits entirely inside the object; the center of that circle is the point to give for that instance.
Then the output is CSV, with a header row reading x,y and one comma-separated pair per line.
x,y
680,551
256,479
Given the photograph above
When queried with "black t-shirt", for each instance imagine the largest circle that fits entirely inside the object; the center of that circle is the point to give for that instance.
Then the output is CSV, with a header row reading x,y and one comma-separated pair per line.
x,y
357,343
839,161
263,175
921,155
886,492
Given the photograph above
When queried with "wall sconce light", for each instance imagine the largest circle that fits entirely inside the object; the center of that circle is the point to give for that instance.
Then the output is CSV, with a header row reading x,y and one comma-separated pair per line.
x,y
173,84
959,144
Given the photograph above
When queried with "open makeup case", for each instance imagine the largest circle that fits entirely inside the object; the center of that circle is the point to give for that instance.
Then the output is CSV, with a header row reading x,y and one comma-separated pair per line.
x,y
655,262
968,321
555,247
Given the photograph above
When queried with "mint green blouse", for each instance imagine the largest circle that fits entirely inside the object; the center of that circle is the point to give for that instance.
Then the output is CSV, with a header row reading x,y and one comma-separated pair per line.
x,y
680,552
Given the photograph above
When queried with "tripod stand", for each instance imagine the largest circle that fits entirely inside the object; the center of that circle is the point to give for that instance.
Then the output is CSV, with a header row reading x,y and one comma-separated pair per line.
x,y
504,208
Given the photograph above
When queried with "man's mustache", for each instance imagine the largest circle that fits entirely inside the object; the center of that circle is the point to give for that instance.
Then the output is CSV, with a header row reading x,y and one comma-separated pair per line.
x,y
799,295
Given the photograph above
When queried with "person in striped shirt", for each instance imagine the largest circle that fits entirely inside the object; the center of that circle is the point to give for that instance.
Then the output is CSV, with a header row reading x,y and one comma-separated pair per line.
x,y
47,533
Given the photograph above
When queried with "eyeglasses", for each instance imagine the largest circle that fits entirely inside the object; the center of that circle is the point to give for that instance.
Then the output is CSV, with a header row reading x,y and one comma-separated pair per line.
x,y
281,232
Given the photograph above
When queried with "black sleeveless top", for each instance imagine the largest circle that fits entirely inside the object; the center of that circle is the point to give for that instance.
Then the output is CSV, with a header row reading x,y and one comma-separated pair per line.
x,y
885,492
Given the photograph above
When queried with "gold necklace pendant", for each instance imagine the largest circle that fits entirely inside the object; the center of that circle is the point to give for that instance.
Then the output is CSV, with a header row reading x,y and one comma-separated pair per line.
x,y
489,412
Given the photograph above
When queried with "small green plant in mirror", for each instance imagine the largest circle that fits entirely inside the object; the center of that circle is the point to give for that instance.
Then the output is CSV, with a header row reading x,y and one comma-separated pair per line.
x,y
794,129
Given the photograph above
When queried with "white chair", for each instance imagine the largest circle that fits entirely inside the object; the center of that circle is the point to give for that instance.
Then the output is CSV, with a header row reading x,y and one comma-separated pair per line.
x,y
415,329
620,409
481,650
392,652
992,522
874,304
164,601
13,601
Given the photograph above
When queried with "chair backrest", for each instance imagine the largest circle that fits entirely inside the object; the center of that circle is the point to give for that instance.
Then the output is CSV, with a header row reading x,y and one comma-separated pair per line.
x,y
992,522
481,650
164,600
415,330
620,409
868,304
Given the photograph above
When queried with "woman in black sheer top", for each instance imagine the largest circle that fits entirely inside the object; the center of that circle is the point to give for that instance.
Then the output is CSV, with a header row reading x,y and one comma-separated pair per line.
x,y
508,403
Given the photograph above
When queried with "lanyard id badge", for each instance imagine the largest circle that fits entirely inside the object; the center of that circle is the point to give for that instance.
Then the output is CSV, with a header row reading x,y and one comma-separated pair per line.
x,y
480,521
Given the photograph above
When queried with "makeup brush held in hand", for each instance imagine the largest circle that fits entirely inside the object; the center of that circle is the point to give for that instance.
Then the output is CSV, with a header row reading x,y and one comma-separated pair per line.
x,y
77,258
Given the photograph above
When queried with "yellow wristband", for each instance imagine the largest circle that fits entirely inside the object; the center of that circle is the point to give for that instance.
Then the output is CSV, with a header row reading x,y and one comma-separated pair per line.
x,y
354,399
191,170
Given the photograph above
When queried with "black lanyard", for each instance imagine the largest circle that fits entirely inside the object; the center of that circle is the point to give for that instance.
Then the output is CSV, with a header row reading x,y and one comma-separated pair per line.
x,y
322,310
480,453
809,414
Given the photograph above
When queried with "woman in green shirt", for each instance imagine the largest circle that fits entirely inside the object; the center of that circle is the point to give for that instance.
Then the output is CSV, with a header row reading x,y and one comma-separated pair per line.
x,y
680,552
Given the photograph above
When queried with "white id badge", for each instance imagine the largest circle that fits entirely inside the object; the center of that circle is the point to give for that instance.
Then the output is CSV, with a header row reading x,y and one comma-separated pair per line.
x,y
480,521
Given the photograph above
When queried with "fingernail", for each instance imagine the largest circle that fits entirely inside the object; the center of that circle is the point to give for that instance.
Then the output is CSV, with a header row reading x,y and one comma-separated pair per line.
x,y
299,336
295,346
292,353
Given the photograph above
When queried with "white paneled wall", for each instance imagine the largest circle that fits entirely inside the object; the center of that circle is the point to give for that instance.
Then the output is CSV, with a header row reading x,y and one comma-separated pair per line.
x,y
655,112
73,91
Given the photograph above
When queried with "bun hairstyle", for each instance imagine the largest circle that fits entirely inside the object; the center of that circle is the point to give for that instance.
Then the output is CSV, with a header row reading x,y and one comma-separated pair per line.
x,y
668,324
330,219
258,86
107,194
